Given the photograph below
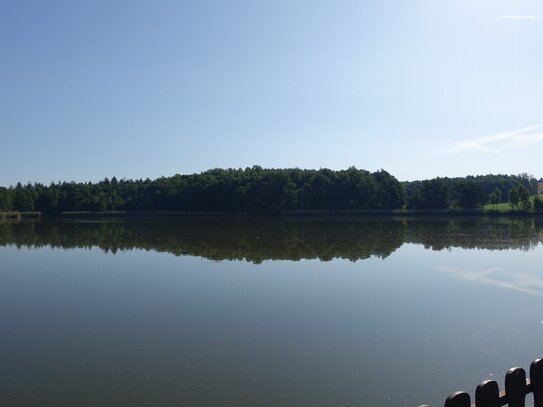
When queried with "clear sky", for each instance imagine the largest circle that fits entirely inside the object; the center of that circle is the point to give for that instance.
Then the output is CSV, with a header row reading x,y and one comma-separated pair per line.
x,y
136,89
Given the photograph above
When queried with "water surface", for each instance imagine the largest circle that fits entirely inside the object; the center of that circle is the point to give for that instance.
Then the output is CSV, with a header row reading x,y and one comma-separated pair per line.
x,y
265,312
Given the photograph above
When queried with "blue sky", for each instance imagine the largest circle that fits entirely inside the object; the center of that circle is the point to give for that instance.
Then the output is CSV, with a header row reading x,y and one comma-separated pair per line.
x,y
142,89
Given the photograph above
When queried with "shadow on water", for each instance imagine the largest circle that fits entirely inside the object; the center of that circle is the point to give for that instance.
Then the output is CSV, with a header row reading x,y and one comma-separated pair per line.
x,y
256,240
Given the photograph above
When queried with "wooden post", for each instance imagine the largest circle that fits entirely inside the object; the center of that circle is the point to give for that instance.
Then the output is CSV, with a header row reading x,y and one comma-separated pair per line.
x,y
536,379
487,394
515,387
458,399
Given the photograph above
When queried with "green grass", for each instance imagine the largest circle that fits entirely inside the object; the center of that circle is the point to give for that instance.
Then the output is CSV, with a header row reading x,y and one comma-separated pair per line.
x,y
506,206
501,207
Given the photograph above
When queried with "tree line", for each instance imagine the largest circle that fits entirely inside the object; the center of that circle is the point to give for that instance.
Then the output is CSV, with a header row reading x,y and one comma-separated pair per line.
x,y
259,190
254,189
471,192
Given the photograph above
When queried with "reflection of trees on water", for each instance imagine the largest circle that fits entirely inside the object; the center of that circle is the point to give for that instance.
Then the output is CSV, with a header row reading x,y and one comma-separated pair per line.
x,y
476,233
218,238
257,240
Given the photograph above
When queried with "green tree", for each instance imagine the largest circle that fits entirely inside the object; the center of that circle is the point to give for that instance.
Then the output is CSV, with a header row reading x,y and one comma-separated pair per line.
x,y
514,198
430,194
538,203
47,199
495,197
23,199
391,194
468,195
5,199
524,197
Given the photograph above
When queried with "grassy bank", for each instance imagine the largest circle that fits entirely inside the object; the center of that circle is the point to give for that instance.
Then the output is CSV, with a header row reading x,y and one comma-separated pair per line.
x,y
505,207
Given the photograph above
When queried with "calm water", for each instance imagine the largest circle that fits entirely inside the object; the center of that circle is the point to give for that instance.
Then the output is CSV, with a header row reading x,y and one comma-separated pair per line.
x,y
225,312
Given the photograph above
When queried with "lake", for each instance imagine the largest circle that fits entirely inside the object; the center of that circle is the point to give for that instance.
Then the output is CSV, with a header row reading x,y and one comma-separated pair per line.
x,y
265,312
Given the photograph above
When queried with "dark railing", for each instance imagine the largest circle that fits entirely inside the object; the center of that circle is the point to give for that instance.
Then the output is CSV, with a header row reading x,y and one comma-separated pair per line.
x,y
517,388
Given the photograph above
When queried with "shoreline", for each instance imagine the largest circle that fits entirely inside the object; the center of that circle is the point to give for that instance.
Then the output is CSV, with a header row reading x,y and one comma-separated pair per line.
x,y
364,213
15,215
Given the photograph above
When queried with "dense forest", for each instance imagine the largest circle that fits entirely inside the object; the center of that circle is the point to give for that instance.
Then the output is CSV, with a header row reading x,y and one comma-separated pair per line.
x,y
251,190
259,190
